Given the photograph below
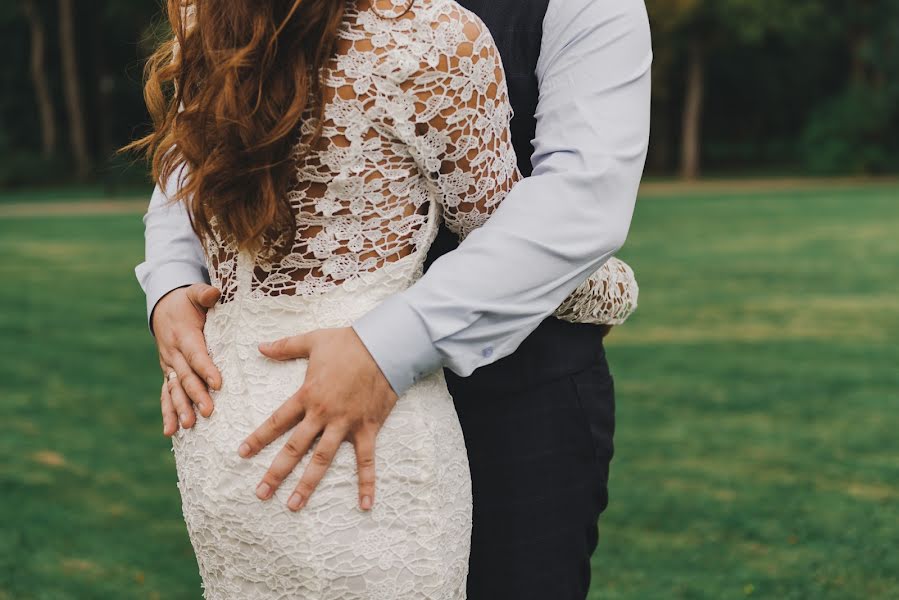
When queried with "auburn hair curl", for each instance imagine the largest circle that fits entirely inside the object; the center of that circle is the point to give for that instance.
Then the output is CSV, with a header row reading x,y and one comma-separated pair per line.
x,y
228,94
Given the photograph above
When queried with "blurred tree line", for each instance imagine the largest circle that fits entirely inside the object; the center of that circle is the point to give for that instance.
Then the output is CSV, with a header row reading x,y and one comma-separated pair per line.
x,y
71,88
786,86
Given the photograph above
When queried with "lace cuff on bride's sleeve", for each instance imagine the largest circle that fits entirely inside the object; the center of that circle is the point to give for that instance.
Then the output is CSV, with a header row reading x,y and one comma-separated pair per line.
x,y
607,297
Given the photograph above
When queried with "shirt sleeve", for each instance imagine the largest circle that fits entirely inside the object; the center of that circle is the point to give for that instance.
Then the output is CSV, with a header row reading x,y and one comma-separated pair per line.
x,y
174,255
476,304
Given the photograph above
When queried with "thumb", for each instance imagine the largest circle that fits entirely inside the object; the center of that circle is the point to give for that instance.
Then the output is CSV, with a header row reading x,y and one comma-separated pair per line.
x,y
203,296
298,346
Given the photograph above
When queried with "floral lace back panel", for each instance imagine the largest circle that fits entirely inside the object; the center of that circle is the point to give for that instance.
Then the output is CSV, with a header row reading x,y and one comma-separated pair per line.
x,y
417,115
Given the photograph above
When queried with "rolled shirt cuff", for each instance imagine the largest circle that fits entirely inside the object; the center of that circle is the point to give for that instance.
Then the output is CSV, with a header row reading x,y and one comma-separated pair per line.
x,y
164,279
398,340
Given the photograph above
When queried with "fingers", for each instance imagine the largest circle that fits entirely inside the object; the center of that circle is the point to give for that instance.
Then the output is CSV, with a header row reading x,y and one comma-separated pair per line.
x,y
297,346
365,464
196,391
288,458
181,403
193,348
322,456
288,415
169,415
203,296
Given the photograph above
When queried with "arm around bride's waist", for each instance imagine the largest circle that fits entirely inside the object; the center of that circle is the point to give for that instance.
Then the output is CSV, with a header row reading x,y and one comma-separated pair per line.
x,y
476,304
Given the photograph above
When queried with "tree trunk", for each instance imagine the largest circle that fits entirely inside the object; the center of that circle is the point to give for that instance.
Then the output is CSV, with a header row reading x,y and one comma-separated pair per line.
x,y
691,131
660,143
858,70
38,65
859,41
72,89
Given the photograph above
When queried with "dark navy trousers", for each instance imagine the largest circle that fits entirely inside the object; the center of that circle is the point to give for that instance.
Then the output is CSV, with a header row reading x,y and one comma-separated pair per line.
x,y
538,426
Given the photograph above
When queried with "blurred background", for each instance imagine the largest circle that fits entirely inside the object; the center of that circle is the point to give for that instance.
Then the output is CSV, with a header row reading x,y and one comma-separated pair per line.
x,y
758,384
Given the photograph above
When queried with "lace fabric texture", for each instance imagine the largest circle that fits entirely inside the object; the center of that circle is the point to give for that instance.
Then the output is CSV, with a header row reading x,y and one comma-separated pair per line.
x,y
415,131
417,113
608,297
413,544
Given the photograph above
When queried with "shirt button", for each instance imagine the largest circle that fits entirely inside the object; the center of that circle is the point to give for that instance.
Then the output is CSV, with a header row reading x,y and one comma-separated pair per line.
x,y
487,352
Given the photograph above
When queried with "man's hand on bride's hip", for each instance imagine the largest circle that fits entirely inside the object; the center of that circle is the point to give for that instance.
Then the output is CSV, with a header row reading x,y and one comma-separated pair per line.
x,y
188,371
345,397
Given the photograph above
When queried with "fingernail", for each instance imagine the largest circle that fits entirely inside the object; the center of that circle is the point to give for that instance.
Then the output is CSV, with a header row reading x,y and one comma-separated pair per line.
x,y
244,450
263,490
366,502
295,501
183,418
264,346
211,382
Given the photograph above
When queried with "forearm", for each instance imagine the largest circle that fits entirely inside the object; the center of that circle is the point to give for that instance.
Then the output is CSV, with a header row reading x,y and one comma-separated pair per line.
x,y
173,254
476,304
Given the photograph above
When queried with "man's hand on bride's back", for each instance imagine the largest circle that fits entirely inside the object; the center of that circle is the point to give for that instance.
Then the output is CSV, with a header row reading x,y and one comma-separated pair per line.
x,y
177,322
345,397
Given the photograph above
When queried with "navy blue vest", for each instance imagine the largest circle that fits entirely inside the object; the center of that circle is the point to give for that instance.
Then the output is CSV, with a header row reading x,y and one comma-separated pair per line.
x,y
556,348
517,28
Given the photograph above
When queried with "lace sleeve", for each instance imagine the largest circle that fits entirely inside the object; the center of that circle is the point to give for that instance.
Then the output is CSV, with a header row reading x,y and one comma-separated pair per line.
x,y
462,143
462,139
608,297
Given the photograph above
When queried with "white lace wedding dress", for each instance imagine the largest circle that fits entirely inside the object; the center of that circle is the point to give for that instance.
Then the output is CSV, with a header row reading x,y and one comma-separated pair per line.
x,y
415,132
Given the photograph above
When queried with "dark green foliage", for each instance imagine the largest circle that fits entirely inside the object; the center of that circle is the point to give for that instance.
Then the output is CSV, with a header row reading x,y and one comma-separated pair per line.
x,y
19,168
781,85
855,130
775,70
855,133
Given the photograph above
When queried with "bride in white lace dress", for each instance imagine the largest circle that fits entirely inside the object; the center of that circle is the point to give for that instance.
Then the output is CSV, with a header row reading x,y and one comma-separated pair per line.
x,y
415,132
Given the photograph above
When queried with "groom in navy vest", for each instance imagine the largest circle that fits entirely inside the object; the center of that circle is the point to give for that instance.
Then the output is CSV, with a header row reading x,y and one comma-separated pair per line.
x,y
534,394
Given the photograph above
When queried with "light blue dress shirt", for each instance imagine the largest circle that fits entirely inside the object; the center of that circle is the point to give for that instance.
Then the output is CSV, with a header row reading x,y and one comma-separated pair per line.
x,y
476,304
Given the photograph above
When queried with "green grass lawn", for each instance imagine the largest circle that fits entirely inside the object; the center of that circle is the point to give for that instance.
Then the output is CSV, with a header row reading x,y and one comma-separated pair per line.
x,y
758,408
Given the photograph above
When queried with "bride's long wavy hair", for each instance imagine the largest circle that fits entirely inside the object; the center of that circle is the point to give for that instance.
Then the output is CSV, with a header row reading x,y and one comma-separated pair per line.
x,y
227,95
